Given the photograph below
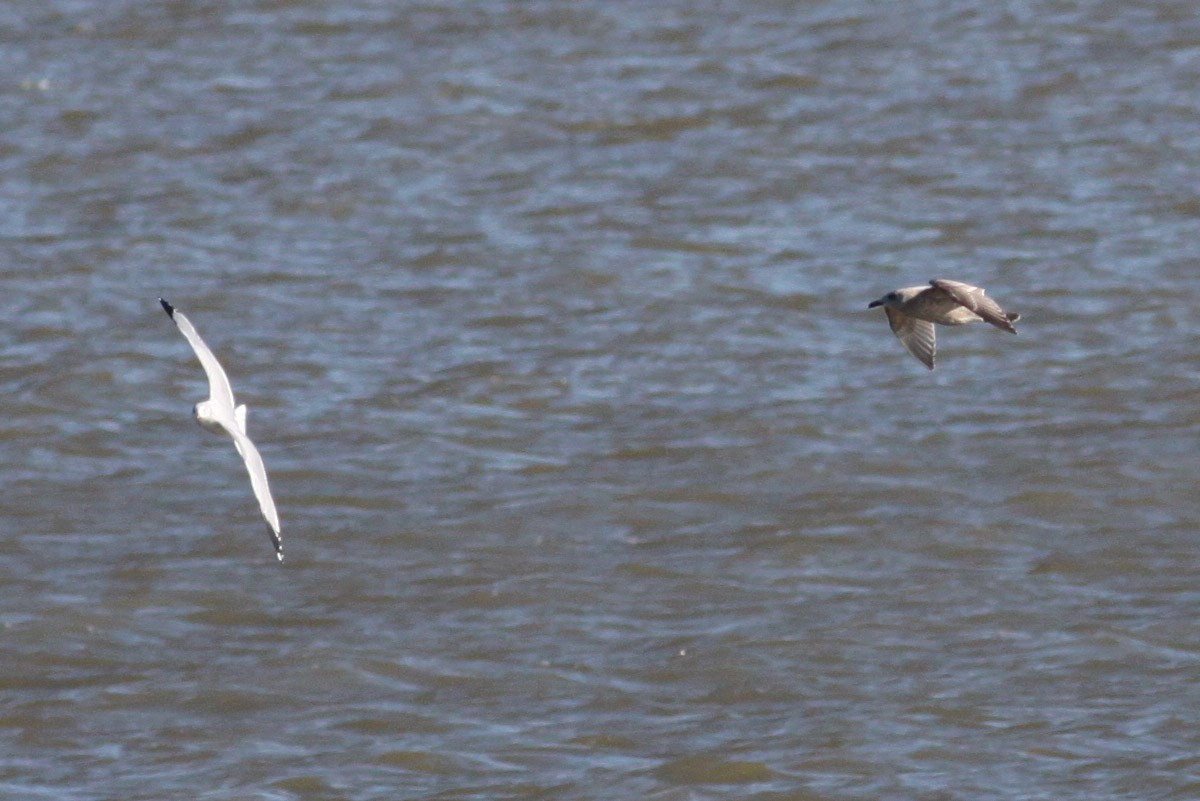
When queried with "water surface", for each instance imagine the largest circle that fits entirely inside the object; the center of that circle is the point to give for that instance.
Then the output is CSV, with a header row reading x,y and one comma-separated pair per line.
x,y
597,478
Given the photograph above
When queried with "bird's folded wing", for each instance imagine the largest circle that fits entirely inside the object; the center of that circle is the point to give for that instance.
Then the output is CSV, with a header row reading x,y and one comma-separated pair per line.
x,y
917,335
976,300
258,480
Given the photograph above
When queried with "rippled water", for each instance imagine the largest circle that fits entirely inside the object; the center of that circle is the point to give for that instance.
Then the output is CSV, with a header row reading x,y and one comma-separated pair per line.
x,y
597,478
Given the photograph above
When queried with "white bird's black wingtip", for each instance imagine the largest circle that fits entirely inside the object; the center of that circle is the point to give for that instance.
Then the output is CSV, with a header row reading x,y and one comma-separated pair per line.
x,y
168,308
276,541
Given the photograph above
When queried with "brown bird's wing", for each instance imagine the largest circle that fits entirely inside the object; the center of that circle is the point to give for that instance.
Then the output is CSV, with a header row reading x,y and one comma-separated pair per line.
x,y
976,300
917,335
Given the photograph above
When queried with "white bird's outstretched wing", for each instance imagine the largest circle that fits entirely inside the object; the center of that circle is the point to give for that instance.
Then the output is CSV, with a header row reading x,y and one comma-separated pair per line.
x,y
976,300
262,491
220,393
916,334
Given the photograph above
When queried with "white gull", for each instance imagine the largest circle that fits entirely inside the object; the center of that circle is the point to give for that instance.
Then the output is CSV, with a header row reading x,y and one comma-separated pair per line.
x,y
219,415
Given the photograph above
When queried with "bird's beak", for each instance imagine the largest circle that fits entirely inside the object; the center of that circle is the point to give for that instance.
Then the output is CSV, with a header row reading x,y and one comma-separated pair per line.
x,y
874,303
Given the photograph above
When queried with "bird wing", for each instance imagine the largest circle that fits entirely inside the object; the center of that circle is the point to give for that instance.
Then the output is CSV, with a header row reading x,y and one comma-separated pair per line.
x,y
917,335
219,391
262,491
976,300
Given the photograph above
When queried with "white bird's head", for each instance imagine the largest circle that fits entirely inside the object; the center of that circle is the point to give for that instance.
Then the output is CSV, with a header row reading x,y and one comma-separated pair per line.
x,y
203,413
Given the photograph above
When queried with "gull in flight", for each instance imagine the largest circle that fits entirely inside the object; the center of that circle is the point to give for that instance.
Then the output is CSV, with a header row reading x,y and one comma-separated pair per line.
x,y
219,415
912,311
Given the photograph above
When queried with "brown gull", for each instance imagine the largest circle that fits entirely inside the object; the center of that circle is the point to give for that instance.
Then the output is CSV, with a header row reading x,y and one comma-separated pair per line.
x,y
912,311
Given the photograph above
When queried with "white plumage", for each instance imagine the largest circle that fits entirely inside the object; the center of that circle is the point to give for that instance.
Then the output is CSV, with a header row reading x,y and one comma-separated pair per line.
x,y
220,415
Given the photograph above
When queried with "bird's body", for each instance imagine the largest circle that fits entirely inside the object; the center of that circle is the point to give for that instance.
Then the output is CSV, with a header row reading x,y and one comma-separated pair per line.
x,y
220,415
912,312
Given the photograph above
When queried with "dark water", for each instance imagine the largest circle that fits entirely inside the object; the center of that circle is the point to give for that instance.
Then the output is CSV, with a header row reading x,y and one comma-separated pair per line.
x,y
598,481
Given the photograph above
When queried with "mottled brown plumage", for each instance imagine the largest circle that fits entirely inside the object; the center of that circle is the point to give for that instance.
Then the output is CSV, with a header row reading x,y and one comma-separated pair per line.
x,y
912,311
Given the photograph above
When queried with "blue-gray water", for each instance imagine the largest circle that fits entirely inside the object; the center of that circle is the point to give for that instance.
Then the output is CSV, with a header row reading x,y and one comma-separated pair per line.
x,y
597,478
